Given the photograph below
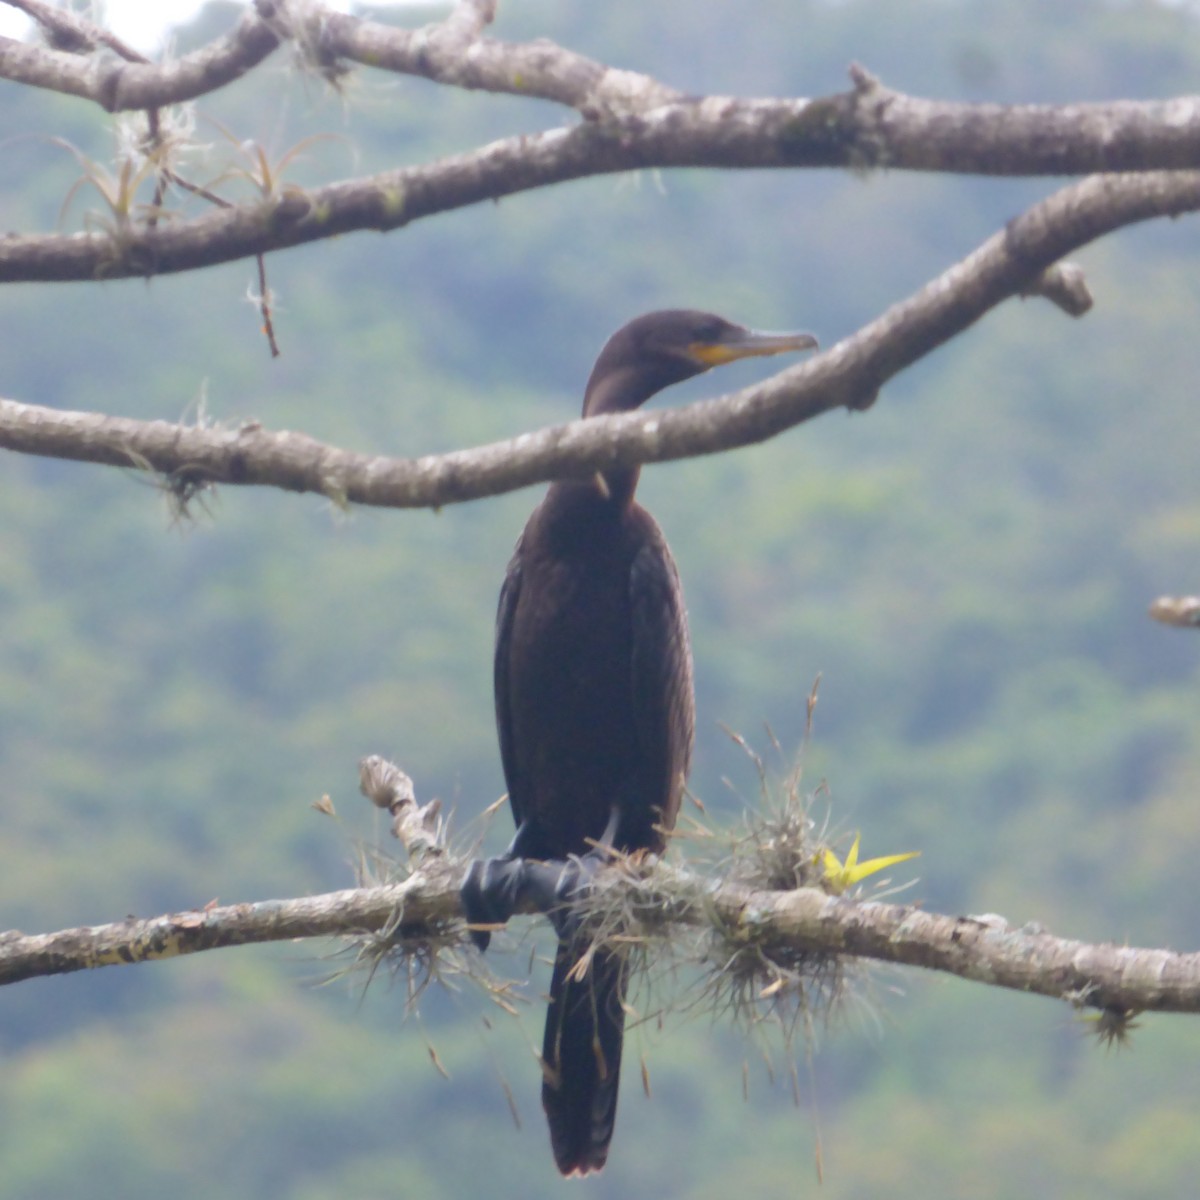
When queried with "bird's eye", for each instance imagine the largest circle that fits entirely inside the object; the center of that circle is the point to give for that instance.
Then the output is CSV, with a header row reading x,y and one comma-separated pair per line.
x,y
708,332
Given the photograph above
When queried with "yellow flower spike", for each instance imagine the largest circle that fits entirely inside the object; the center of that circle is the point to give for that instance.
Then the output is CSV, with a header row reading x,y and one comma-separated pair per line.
x,y
841,876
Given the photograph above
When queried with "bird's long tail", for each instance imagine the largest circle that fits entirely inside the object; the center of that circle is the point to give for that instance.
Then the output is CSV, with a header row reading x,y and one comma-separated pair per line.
x,y
581,1054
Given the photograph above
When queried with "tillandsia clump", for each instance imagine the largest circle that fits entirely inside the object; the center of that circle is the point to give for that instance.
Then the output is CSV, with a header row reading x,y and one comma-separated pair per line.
x,y
417,951
688,937
748,971
414,954
779,847
1112,1027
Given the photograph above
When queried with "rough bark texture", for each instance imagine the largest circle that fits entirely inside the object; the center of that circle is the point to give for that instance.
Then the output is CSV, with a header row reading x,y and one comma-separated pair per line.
x,y
983,949
630,121
1022,259
627,122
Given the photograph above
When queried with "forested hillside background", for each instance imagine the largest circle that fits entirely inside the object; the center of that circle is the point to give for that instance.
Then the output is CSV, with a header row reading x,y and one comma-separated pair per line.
x,y
967,566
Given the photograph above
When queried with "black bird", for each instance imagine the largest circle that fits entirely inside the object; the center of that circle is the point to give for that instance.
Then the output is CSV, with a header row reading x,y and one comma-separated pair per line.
x,y
594,708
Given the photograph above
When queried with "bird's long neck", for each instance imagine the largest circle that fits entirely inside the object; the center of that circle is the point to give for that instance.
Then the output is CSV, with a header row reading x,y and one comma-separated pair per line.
x,y
617,391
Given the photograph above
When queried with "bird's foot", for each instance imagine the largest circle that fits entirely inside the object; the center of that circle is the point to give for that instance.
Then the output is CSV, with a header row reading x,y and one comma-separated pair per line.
x,y
491,892
574,883
575,880
496,888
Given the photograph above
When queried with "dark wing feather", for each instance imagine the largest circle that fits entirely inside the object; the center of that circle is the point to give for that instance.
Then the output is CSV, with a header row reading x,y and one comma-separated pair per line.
x,y
505,613
663,704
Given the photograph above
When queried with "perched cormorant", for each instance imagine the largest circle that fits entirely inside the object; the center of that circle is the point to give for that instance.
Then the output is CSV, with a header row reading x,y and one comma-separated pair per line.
x,y
594,708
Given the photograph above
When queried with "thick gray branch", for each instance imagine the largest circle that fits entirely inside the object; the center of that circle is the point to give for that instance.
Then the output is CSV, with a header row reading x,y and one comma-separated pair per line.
x,y
807,919
634,122
67,30
455,53
129,941
1183,611
847,375
871,126
118,85
422,916
714,133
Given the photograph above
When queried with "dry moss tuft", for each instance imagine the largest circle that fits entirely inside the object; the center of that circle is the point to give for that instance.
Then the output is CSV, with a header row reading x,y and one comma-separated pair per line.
x,y
414,955
1112,1027
687,948
748,974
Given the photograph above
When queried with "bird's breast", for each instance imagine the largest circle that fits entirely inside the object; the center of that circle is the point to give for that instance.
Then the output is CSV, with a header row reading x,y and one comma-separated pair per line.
x,y
571,691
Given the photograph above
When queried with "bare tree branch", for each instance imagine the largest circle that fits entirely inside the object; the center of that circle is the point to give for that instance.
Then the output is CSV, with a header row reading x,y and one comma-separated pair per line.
x,y
1017,260
119,85
780,926
456,54
633,122
66,30
1183,611
25,956
886,128
713,133
870,126
986,950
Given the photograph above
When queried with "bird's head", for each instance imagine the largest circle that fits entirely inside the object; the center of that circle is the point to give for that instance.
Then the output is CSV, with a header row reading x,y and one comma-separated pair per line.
x,y
661,348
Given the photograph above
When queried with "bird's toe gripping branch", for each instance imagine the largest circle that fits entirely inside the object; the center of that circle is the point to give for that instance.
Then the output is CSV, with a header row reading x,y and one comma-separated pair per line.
x,y
491,892
573,884
494,889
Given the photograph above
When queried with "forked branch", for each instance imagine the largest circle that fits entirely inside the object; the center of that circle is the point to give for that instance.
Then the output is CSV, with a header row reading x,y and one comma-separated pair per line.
x,y
631,121
1024,258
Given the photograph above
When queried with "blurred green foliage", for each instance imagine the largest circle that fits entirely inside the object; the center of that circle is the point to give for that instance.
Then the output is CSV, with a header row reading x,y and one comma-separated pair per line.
x,y
967,567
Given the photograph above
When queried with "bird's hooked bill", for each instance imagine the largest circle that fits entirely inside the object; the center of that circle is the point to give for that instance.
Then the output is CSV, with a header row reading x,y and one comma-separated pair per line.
x,y
749,343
